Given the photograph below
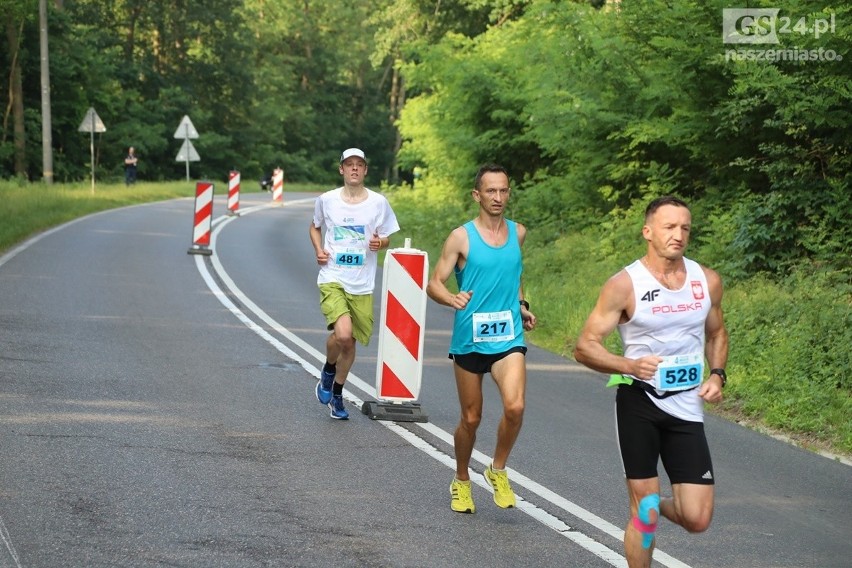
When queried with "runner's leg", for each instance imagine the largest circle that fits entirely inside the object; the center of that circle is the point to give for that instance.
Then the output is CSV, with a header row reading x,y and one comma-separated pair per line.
x,y
510,375
469,386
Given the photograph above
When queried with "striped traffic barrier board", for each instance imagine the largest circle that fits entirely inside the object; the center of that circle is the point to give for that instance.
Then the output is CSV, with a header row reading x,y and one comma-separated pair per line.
x,y
203,219
399,368
278,186
233,192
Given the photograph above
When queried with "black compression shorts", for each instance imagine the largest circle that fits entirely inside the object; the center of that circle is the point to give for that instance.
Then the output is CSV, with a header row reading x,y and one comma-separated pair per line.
x,y
646,434
480,363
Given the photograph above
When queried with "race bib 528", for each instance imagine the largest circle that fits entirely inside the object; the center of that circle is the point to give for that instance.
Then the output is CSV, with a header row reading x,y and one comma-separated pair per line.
x,y
679,372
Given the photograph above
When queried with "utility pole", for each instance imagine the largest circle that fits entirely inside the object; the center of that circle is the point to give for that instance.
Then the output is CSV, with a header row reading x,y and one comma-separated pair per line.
x,y
46,136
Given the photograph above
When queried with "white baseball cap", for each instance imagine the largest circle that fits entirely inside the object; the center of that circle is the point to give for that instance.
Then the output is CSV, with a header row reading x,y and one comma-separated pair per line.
x,y
349,152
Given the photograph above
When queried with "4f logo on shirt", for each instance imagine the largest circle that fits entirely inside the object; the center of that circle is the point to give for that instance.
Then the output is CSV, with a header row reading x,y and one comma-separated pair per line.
x,y
651,295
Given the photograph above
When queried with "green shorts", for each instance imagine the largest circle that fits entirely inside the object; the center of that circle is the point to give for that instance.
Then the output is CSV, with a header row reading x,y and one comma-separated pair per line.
x,y
336,302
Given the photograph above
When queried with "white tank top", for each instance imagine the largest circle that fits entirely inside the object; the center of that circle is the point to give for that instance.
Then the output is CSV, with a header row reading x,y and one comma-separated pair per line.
x,y
668,322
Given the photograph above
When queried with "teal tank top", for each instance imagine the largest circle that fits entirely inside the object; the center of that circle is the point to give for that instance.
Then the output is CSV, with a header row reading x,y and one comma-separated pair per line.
x,y
491,323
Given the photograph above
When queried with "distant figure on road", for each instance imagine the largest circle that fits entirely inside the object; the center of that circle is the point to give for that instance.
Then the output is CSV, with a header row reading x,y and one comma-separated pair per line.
x,y
357,222
668,311
488,331
130,166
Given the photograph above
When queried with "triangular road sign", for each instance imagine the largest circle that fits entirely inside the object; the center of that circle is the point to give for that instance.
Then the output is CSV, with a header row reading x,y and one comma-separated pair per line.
x,y
186,129
187,153
92,122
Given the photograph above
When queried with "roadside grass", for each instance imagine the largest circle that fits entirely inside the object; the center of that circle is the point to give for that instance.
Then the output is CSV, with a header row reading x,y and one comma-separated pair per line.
x,y
790,365
29,208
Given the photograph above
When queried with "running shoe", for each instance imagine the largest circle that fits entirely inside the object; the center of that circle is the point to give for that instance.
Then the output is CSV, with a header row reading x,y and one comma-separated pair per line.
x,y
337,410
461,498
324,386
504,497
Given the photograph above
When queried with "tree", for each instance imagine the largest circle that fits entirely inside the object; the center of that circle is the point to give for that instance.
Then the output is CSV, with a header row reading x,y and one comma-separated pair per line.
x,y
14,31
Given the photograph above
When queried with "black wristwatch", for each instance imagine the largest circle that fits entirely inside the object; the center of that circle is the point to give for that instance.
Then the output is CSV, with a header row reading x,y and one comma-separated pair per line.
x,y
525,304
722,374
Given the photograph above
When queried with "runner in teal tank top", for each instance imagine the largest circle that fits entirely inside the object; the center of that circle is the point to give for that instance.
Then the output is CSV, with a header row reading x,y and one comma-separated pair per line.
x,y
491,322
488,332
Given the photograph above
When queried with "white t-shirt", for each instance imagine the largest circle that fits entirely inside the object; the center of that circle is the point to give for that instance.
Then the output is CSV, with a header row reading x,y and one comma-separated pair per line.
x,y
348,229
667,323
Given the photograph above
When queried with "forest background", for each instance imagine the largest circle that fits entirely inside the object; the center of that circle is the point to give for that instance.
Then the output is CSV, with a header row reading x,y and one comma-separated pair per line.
x,y
595,108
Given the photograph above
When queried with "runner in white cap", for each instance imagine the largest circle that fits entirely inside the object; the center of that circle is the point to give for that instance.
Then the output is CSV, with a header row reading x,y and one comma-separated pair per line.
x,y
356,222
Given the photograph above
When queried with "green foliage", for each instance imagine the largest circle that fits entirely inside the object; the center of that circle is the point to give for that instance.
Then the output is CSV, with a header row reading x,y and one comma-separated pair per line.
x,y
266,84
790,345
606,109
789,341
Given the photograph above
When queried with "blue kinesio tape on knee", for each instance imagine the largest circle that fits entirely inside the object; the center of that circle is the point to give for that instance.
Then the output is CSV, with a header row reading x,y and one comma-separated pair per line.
x,y
647,503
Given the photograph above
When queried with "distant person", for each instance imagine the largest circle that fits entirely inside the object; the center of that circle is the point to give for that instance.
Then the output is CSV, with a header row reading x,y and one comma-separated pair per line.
x,y
130,166
488,330
266,182
350,224
668,312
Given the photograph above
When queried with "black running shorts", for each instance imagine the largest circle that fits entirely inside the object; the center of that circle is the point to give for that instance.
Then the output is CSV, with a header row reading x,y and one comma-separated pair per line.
x,y
480,363
646,434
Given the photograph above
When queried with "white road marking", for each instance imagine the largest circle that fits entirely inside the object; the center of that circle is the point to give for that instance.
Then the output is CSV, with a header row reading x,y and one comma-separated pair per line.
x,y
596,548
7,542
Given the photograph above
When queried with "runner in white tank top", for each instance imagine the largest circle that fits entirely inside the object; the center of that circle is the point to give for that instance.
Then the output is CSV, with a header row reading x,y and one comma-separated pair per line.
x,y
668,323
668,310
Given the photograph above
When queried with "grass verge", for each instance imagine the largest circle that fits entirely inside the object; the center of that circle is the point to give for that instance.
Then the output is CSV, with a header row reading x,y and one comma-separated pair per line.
x,y
790,358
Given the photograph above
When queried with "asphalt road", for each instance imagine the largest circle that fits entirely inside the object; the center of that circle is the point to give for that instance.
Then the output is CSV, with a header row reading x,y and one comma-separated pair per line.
x,y
157,409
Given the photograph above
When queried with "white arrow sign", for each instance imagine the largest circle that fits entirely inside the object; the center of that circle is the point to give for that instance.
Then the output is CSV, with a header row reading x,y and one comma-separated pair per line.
x,y
186,129
92,122
187,153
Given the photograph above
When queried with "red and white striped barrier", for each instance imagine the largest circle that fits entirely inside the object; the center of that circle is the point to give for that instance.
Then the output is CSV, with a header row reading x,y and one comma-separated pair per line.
x,y
278,186
233,192
402,328
203,219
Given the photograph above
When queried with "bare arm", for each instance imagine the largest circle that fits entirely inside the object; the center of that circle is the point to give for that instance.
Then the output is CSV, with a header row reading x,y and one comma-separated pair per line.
x,y
614,303
527,316
316,240
716,339
455,249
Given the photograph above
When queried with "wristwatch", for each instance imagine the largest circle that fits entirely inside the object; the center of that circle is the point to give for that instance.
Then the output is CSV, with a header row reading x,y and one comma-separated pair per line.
x,y
722,375
525,304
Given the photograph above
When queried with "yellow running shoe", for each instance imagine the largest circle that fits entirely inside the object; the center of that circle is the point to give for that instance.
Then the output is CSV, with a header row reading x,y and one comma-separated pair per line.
x,y
504,497
462,500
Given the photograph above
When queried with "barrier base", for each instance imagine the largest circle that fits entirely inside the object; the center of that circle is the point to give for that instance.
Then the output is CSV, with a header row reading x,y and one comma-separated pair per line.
x,y
198,249
395,412
230,213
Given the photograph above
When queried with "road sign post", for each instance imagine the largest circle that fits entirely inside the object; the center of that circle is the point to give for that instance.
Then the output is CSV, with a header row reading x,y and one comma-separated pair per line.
x,y
92,123
187,153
